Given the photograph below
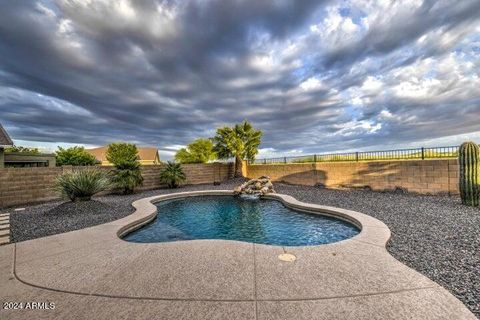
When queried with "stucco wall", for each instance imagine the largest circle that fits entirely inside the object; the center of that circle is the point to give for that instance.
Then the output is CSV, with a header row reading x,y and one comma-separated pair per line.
x,y
420,176
29,185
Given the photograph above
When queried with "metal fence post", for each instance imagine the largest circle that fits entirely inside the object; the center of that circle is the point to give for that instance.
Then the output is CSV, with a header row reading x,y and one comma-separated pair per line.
x,y
423,153
315,158
265,161
356,156
284,159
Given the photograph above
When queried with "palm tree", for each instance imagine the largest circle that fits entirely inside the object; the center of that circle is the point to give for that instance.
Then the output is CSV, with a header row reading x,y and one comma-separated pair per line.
x,y
240,141
172,175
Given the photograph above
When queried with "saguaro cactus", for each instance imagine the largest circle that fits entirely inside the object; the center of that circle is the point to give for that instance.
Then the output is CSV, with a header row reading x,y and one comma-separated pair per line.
x,y
469,160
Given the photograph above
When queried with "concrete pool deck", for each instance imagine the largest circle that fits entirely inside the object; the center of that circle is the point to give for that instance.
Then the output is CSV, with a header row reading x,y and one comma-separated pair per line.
x,y
92,273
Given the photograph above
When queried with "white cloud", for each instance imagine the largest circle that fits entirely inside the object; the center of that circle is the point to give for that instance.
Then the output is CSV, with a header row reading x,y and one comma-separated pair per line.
x,y
357,127
336,31
262,62
386,114
371,85
447,78
311,84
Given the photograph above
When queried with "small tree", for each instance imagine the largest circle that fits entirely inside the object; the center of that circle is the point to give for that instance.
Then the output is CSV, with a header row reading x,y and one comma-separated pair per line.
x,y
127,173
172,175
240,141
74,156
199,151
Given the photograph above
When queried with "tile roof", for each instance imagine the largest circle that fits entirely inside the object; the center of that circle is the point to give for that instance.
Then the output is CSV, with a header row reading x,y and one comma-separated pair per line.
x,y
5,138
145,154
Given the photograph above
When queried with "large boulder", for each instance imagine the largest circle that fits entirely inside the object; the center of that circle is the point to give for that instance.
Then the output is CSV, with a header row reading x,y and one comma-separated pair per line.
x,y
260,186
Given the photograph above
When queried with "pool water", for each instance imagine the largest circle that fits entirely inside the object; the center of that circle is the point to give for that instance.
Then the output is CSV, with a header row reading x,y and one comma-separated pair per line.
x,y
236,218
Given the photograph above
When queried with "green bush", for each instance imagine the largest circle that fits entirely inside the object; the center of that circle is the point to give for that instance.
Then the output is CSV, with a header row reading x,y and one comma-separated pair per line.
x,y
81,185
74,156
172,175
127,174
24,150
199,151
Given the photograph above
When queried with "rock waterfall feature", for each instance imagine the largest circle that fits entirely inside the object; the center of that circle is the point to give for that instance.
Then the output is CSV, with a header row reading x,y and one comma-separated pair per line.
x,y
259,187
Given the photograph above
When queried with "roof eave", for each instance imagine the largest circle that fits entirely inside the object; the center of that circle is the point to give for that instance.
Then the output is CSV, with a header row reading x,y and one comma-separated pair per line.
x,y
6,136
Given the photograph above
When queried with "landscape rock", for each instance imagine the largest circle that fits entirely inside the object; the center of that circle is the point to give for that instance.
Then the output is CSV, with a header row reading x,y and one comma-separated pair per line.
x,y
260,186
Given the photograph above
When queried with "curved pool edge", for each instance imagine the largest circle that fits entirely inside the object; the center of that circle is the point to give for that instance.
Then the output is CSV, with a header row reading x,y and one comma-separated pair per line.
x,y
372,231
146,211
95,268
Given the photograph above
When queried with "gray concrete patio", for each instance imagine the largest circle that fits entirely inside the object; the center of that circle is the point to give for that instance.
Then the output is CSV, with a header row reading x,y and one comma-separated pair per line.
x,y
92,273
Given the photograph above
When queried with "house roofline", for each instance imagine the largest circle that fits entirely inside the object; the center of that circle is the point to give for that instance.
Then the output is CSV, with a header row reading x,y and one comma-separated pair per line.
x,y
9,140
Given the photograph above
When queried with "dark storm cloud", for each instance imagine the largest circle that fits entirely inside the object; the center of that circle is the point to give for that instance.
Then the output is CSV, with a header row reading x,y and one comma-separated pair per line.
x,y
165,72
407,27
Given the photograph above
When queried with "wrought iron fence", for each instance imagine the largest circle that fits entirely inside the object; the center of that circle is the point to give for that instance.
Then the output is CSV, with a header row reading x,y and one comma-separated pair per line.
x,y
399,154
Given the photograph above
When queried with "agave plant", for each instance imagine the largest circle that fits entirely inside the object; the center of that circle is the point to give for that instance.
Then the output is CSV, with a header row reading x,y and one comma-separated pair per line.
x,y
172,175
81,185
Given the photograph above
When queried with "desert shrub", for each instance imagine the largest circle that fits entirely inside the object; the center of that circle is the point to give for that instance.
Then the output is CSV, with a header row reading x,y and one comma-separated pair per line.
x,y
81,185
74,156
172,175
127,174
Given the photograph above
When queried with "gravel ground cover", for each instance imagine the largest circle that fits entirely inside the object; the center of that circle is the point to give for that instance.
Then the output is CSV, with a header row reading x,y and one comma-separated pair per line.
x,y
60,216
435,235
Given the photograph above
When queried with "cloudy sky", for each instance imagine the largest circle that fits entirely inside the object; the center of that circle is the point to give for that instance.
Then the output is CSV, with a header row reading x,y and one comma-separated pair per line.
x,y
315,76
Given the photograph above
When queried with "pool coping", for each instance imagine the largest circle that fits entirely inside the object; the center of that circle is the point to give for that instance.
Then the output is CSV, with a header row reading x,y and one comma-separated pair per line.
x,y
372,231
93,267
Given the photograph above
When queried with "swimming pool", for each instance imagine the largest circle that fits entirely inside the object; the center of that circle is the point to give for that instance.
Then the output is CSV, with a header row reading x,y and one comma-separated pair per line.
x,y
262,221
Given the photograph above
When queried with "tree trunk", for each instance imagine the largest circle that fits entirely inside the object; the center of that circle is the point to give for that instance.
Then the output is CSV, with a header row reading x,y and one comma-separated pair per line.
x,y
238,167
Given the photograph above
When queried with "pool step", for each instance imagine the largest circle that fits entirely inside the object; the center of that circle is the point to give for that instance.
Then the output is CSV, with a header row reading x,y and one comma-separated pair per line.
x,y
4,228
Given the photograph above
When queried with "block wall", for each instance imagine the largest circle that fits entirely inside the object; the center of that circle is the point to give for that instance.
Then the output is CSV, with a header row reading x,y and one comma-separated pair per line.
x,y
20,186
419,176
